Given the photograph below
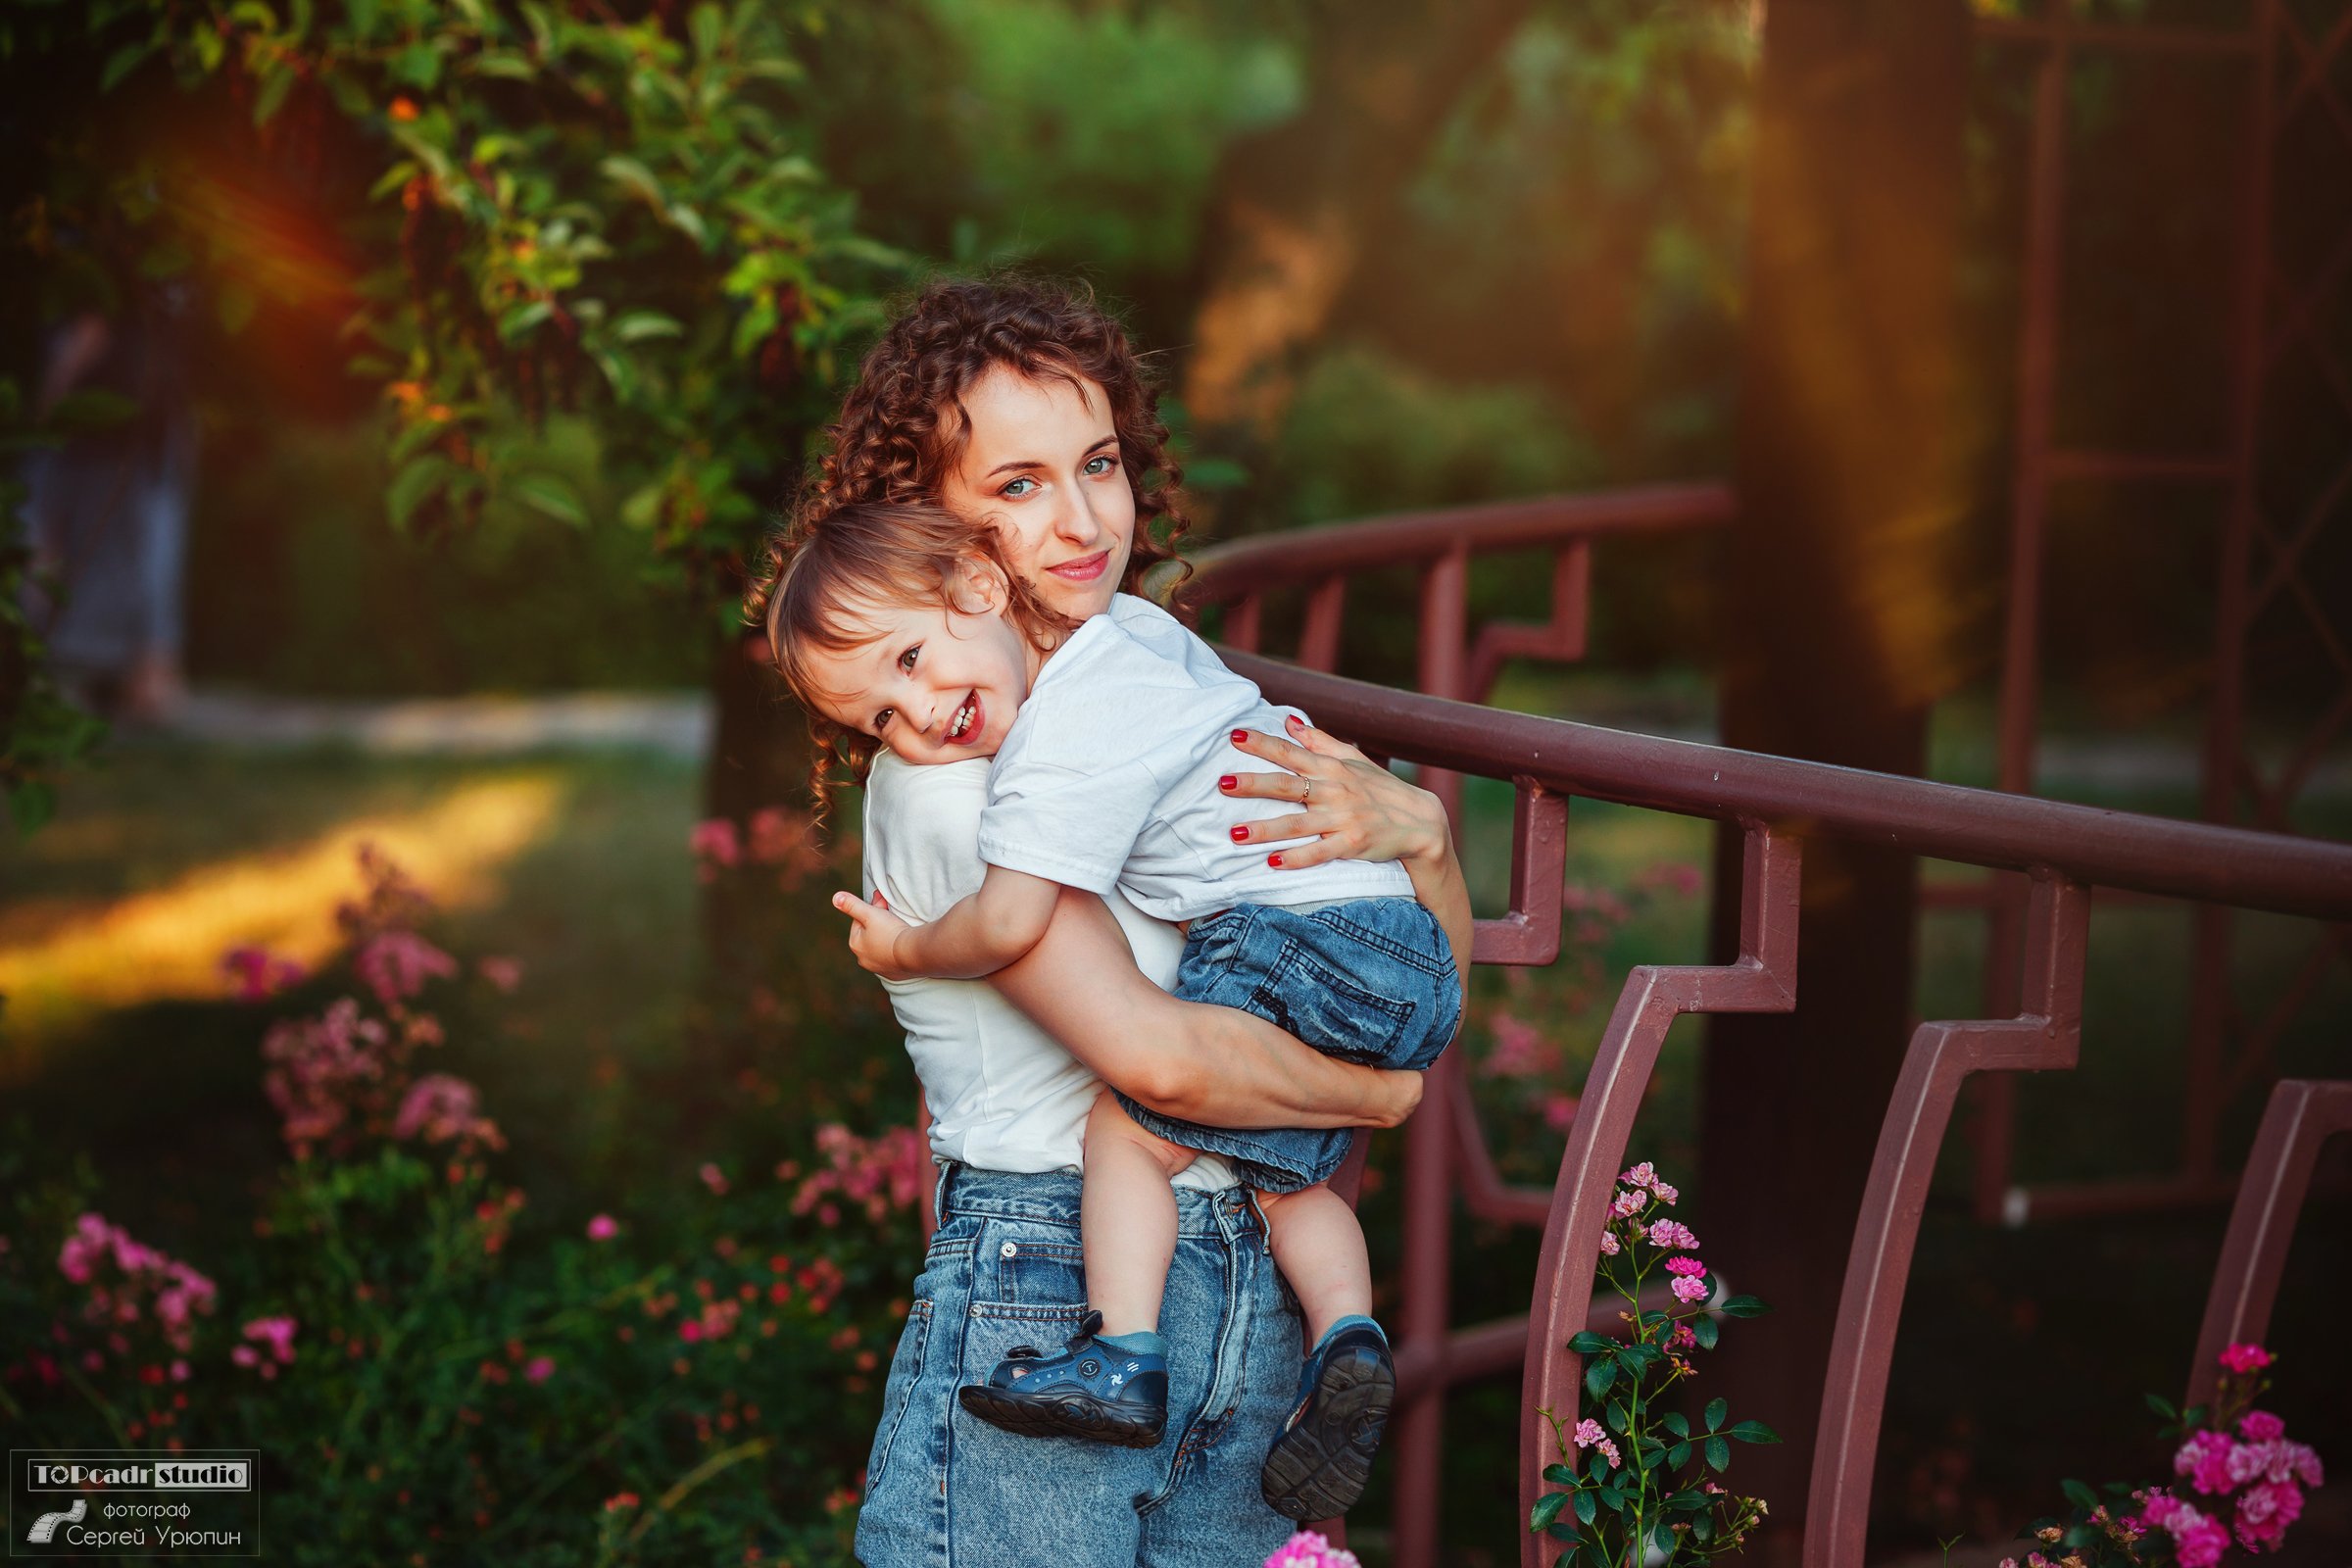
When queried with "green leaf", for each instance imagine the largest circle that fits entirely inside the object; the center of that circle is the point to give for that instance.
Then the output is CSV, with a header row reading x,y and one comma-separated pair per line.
x,y
1702,1327
1688,1502
1676,1424
503,63
1559,1475
276,85
1717,1409
553,496
1547,1508
636,325
2080,1495
1587,1343
1586,1507
1719,1453
1703,1527
2162,1407
635,178
123,61
1678,1456
416,480
1743,1306
1754,1432
1562,1530
1598,1376
1662,1537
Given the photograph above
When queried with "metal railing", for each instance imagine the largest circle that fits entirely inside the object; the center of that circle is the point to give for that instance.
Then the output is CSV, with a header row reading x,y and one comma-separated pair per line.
x,y
2063,852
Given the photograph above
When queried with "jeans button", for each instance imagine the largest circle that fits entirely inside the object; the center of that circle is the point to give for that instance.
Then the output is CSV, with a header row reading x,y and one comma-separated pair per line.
x,y
1008,1249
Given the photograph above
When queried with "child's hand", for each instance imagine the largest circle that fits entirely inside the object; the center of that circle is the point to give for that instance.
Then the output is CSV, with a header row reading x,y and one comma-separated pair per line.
x,y
874,934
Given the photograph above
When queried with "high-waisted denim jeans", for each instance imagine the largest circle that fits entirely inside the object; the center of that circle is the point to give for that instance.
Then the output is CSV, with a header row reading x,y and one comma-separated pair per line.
x,y
945,1489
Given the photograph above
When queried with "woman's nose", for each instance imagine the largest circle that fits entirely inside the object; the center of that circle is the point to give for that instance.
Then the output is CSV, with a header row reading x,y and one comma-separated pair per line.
x,y
1077,523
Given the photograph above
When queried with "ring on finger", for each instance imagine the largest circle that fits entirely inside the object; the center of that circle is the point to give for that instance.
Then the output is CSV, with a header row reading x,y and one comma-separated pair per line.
x,y
1306,790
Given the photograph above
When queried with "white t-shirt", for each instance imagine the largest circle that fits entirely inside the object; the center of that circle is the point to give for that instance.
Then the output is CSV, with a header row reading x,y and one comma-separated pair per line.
x,y
1109,778
1003,1093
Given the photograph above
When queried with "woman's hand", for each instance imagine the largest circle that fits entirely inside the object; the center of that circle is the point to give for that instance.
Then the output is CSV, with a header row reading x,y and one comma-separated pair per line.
x,y
1354,808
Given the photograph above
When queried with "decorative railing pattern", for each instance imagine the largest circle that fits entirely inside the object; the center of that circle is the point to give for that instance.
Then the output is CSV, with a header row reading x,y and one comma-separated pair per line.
x,y
2060,851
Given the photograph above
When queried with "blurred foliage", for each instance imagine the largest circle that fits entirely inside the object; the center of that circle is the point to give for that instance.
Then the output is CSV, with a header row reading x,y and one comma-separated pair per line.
x,y
589,213
41,730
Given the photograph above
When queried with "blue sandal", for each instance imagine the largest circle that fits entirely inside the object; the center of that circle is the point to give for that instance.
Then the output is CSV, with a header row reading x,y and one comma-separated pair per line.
x,y
1317,1468
1090,1391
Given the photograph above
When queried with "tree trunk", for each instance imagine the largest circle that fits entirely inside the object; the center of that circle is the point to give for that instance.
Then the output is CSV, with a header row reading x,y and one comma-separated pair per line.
x,y
1842,632
1295,205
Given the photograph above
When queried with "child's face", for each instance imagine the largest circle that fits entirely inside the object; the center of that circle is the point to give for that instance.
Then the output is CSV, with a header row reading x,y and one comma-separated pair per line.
x,y
936,685
1041,464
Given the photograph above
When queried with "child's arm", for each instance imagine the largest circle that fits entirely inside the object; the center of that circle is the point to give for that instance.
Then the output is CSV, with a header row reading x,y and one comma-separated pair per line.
x,y
980,935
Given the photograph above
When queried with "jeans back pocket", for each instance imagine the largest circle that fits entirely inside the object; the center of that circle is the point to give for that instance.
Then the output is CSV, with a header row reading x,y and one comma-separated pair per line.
x,y
1013,1267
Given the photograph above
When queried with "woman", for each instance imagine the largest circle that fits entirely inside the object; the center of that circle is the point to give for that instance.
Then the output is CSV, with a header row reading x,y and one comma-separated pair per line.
x,y
1021,405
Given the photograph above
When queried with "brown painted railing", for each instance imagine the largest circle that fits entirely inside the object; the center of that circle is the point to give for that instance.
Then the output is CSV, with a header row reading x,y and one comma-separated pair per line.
x,y
2064,851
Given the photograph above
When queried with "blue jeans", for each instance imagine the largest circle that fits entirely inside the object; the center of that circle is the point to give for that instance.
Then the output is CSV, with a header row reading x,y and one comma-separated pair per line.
x,y
945,1489
1369,980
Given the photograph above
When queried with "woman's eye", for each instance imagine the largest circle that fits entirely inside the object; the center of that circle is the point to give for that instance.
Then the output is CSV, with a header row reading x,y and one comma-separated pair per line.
x,y
1101,463
1017,488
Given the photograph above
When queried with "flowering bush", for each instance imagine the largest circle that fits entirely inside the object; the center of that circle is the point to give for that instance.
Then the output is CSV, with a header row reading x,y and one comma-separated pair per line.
x,y
688,1375
1310,1548
2239,1477
1640,1487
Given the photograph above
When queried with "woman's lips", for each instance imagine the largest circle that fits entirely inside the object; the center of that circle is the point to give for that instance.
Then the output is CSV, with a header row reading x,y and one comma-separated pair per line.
x,y
1086,568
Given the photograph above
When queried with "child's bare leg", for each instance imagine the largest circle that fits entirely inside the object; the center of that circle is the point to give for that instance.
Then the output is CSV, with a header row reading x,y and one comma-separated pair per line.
x,y
1127,1218
1320,1249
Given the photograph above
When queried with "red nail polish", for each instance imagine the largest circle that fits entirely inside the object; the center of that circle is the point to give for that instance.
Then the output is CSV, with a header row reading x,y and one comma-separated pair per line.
x,y
1226,782
1240,735
1241,835
1273,859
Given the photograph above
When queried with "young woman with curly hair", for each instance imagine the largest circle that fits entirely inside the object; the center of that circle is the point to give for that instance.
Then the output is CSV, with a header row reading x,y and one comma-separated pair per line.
x,y
1021,406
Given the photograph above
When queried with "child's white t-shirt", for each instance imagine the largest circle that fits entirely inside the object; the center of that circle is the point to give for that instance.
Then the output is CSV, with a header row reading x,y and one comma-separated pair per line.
x,y
1109,778
1003,1093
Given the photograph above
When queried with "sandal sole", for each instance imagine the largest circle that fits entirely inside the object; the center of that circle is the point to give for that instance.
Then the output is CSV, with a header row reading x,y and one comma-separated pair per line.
x,y
1063,1416
1318,1468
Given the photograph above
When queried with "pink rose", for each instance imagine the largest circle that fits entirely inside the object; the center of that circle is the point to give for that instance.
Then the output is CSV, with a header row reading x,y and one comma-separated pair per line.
x,y
2244,1358
603,1228
2260,1426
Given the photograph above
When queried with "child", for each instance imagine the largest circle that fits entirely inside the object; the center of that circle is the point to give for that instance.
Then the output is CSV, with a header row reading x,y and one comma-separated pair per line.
x,y
900,626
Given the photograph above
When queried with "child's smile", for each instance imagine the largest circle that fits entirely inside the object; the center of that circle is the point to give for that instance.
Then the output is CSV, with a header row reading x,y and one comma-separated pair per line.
x,y
931,683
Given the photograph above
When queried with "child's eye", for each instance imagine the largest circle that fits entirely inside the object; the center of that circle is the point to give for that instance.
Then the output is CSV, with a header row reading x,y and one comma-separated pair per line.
x,y
906,659
1014,489
1101,463
880,720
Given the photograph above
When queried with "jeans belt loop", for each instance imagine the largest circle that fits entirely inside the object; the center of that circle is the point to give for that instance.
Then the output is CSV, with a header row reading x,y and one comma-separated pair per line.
x,y
1265,1227
939,1190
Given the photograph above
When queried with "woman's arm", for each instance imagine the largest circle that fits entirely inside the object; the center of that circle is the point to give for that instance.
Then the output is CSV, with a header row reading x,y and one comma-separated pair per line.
x,y
1216,1065
1358,810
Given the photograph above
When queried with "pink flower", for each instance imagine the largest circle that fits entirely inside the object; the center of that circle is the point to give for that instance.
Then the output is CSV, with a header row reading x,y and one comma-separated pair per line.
x,y
258,972
1309,1549
396,965
1608,1244
603,1228
1690,1289
714,842
2205,1460
1666,1191
2202,1542
2260,1426
1628,1202
690,1330
2243,1358
1560,1112
1588,1433
713,1178
441,1107
1640,1175
503,973
1520,1051
538,1368
1685,1265
1608,1451
1674,1236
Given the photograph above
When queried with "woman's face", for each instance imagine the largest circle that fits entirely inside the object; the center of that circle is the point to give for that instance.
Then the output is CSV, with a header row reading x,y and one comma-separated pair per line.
x,y
1041,463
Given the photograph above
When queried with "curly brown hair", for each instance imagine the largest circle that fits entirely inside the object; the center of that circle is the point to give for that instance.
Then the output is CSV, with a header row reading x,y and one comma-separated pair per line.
x,y
902,425
889,553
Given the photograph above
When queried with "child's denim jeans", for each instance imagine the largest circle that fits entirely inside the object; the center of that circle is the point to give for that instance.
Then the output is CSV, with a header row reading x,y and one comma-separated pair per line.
x,y
1368,980
946,1489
